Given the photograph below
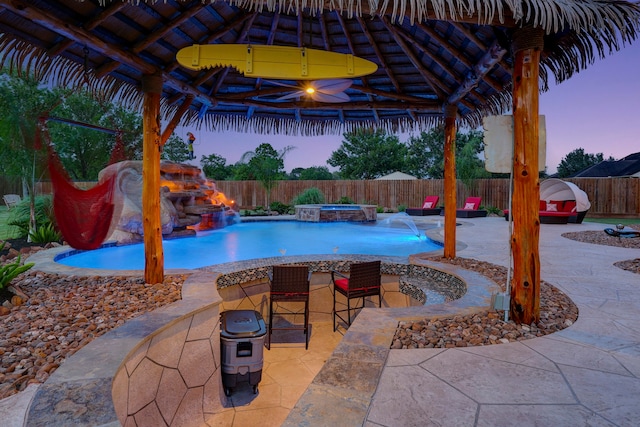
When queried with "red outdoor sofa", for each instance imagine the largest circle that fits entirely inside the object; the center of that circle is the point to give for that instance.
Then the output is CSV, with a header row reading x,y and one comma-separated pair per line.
x,y
555,212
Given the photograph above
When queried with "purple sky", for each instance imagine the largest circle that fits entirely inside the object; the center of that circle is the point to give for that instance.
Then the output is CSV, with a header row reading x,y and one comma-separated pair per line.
x,y
595,110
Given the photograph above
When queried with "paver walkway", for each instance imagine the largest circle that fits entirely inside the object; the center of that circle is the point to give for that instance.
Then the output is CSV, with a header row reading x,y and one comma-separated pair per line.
x,y
585,375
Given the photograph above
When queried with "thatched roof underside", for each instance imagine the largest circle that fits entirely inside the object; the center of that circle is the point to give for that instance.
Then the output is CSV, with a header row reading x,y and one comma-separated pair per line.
x,y
429,54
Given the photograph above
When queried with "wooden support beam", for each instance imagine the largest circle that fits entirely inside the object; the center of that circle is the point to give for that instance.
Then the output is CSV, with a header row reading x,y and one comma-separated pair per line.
x,y
478,72
379,54
525,285
323,31
423,47
391,95
173,123
434,83
272,34
471,36
222,75
300,28
450,114
88,26
166,27
151,148
241,18
352,49
106,68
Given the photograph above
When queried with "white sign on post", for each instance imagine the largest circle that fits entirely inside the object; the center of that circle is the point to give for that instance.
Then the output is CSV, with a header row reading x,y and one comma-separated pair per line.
x,y
498,143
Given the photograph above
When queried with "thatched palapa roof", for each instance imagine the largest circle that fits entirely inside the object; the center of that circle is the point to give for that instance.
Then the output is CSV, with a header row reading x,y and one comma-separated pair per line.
x,y
430,54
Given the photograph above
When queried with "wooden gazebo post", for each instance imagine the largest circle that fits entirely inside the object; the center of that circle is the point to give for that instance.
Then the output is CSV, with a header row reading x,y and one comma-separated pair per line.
x,y
450,113
525,286
151,223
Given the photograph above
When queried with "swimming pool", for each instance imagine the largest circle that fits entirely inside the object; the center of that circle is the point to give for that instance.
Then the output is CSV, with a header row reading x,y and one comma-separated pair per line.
x,y
251,240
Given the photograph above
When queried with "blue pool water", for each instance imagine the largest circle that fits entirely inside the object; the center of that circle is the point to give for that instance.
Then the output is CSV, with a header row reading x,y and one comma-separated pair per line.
x,y
245,241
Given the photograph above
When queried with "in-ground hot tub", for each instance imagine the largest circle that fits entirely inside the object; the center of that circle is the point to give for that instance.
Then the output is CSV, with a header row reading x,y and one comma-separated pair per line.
x,y
334,213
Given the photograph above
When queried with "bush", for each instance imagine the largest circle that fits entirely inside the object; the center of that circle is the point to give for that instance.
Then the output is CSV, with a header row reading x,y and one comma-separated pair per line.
x,y
258,211
310,196
20,214
379,209
402,208
9,271
280,207
494,210
45,234
344,200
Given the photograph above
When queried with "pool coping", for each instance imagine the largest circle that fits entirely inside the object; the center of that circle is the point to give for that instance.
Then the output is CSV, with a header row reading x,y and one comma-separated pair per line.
x,y
46,260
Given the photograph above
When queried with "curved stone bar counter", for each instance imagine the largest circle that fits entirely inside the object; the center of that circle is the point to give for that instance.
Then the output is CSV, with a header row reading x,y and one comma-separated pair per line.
x,y
165,364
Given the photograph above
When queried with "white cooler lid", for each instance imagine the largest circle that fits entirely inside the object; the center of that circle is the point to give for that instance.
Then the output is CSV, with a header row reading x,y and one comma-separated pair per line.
x,y
242,324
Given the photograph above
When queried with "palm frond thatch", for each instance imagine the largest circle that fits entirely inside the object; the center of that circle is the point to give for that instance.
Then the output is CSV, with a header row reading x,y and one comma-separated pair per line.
x,y
577,33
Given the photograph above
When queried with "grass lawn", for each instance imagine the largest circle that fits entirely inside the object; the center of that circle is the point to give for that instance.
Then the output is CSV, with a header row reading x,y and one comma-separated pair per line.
x,y
6,231
623,221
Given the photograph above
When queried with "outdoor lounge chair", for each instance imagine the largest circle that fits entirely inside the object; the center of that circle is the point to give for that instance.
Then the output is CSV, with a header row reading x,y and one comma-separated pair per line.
x,y
429,207
289,283
11,200
471,209
364,280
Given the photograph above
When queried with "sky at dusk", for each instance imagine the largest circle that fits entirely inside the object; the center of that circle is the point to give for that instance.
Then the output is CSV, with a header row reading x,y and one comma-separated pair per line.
x,y
597,109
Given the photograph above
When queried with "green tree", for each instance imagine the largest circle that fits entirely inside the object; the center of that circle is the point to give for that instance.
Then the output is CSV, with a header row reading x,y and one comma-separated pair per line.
x,y
469,166
267,165
129,123
22,102
175,150
316,173
84,151
425,158
295,174
368,154
576,161
214,167
242,172
425,154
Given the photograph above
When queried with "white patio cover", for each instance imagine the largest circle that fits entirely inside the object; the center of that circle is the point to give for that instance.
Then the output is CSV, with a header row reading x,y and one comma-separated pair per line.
x,y
557,189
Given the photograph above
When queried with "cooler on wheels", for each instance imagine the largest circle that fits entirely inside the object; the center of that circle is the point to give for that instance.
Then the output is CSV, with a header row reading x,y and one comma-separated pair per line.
x,y
242,335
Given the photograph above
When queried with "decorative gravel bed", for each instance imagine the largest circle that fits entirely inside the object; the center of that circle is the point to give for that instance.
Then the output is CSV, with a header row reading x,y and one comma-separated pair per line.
x,y
557,311
61,314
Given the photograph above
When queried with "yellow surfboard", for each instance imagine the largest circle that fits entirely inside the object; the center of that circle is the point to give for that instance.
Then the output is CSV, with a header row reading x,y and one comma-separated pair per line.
x,y
275,62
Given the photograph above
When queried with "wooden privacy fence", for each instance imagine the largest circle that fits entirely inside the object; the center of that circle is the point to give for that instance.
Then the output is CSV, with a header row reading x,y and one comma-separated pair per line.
x,y
10,186
609,197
